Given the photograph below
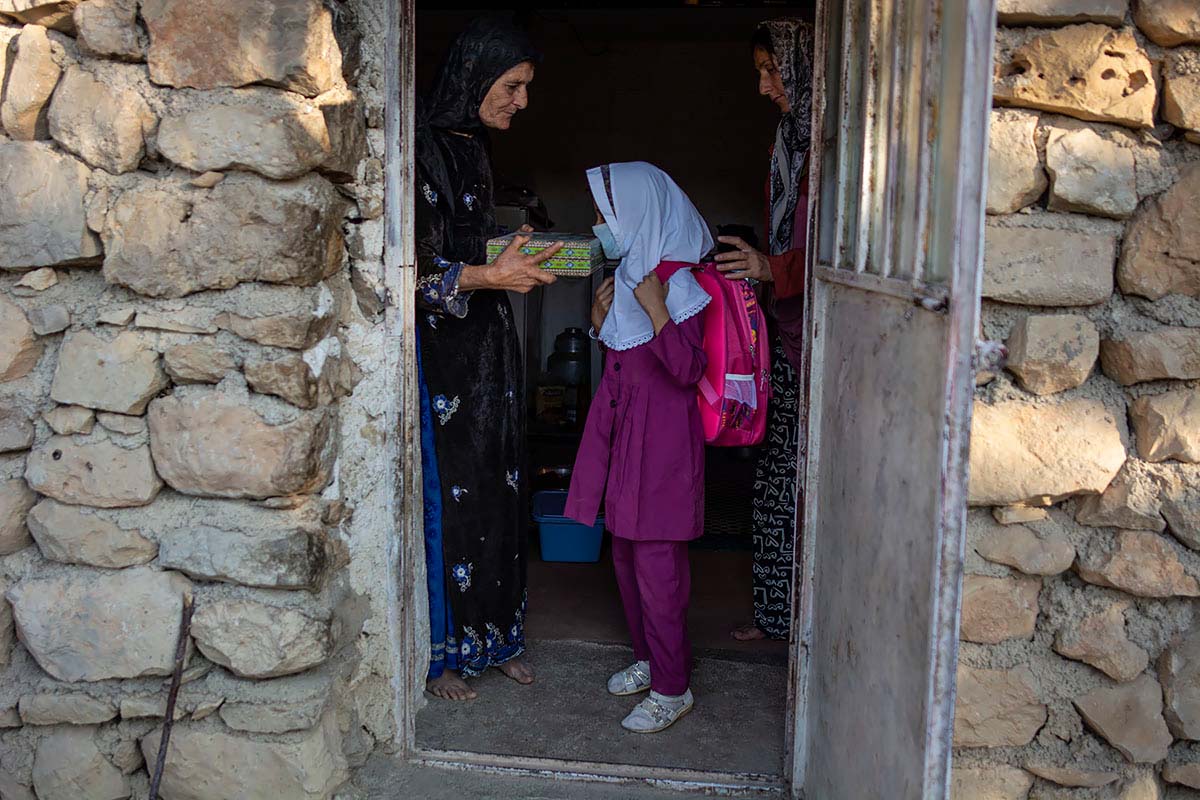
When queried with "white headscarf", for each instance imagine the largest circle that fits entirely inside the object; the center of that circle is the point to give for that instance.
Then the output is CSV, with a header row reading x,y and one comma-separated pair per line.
x,y
653,221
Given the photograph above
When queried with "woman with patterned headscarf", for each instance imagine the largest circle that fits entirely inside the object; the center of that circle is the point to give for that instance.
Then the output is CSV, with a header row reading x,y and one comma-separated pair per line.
x,y
472,389
783,52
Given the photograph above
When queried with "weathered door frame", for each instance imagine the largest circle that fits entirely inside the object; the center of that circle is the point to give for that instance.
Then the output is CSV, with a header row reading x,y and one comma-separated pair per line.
x,y
405,543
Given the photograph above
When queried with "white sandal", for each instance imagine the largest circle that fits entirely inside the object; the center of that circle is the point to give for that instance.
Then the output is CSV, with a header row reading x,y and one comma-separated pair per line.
x,y
634,679
657,713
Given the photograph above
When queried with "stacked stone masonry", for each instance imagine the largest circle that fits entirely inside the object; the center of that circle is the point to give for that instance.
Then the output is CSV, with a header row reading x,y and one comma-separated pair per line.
x,y
191,395
1078,669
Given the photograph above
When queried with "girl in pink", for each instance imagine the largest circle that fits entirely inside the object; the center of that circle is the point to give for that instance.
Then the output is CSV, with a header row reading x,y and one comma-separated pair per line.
x,y
643,445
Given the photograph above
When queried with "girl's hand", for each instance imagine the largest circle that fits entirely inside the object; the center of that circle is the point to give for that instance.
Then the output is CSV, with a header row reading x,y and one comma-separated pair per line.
x,y
745,262
512,271
602,303
652,296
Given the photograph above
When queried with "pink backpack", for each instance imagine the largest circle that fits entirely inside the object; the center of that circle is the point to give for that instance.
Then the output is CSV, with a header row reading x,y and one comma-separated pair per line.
x,y
736,386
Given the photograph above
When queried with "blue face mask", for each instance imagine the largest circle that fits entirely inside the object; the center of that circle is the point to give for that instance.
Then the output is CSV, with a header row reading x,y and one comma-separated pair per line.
x,y
607,241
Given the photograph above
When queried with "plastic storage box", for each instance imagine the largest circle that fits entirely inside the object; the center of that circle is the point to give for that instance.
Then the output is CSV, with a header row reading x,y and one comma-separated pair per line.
x,y
564,539
580,257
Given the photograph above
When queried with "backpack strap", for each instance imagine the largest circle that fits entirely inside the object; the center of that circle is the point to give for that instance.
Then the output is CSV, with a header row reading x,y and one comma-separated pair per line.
x,y
667,269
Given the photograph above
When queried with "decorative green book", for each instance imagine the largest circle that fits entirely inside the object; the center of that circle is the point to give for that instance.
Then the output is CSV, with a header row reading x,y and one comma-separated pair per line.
x,y
580,256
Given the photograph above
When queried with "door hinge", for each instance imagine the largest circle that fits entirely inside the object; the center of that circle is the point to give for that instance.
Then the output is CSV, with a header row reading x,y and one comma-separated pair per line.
x,y
989,356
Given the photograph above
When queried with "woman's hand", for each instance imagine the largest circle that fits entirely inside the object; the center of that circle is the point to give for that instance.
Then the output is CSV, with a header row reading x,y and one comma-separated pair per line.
x,y
745,262
652,296
512,271
601,303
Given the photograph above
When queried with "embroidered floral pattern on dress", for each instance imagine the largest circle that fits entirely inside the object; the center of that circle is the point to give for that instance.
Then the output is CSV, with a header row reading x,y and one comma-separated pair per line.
x,y
440,290
495,648
513,479
469,201
461,572
430,195
432,320
458,493
444,408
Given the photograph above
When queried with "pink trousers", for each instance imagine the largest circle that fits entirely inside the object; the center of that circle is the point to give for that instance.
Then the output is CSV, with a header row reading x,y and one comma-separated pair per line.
x,y
656,582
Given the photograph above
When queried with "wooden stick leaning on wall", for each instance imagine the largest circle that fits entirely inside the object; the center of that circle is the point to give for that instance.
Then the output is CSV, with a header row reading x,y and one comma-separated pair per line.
x,y
185,627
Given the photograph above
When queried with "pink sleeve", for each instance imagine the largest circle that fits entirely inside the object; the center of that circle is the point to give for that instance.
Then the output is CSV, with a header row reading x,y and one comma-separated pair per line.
x,y
678,348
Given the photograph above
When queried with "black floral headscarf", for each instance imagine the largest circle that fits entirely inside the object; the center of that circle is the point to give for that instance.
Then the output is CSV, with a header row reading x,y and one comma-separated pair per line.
x,y
792,42
486,49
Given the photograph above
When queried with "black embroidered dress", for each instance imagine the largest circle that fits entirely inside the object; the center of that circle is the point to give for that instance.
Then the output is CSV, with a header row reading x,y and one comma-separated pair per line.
x,y
472,392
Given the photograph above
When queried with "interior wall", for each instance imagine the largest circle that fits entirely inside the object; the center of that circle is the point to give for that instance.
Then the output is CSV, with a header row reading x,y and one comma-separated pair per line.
x,y
675,87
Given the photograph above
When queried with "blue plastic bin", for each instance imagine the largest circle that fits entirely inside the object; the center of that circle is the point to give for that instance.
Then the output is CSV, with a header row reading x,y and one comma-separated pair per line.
x,y
564,539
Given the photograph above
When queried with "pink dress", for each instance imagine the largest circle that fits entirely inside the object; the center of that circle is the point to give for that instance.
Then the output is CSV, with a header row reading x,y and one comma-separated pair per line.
x,y
644,443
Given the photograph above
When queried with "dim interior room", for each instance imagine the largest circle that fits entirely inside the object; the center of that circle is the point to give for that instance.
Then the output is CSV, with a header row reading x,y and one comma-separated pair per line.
x,y
674,85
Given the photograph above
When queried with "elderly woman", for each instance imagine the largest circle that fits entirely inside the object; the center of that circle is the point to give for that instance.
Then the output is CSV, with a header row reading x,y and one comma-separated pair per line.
x,y
472,390
783,51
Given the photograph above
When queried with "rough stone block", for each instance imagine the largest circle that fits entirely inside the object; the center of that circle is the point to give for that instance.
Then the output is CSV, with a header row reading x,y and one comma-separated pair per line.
x,y
273,717
205,764
996,708
66,534
271,557
69,420
54,14
998,609
989,783
1131,502
19,347
1129,717
1047,266
16,430
39,280
103,124
1181,509
1142,564
1162,246
94,627
42,219
1061,12
298,329
1019,547
314,378
122,423
1090,174
1099,639
51,319
32,75
8,637
1015,175
276,135
1073,777
121,375
254,640
212,445
1088,71
291,44
1163,354
97,473
201,362
1179,672
1169,23
1021,452
1052,352
15,502
1181,89
69,766
1182,774
65,709
1167,426
109,29
167,240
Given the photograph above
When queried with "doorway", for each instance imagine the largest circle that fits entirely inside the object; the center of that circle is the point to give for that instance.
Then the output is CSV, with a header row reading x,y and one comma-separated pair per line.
x,y
903,88
677,89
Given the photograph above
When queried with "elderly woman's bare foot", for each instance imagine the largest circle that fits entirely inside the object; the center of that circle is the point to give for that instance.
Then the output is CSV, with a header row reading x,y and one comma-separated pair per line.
x,y
449,686
748,633
518,670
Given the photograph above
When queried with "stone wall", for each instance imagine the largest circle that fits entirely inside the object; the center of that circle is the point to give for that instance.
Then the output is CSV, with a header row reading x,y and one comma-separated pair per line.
x,y
1079,674
192,395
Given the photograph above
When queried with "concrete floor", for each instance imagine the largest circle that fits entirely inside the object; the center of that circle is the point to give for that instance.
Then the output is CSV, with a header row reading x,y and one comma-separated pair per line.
x,y
736,726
